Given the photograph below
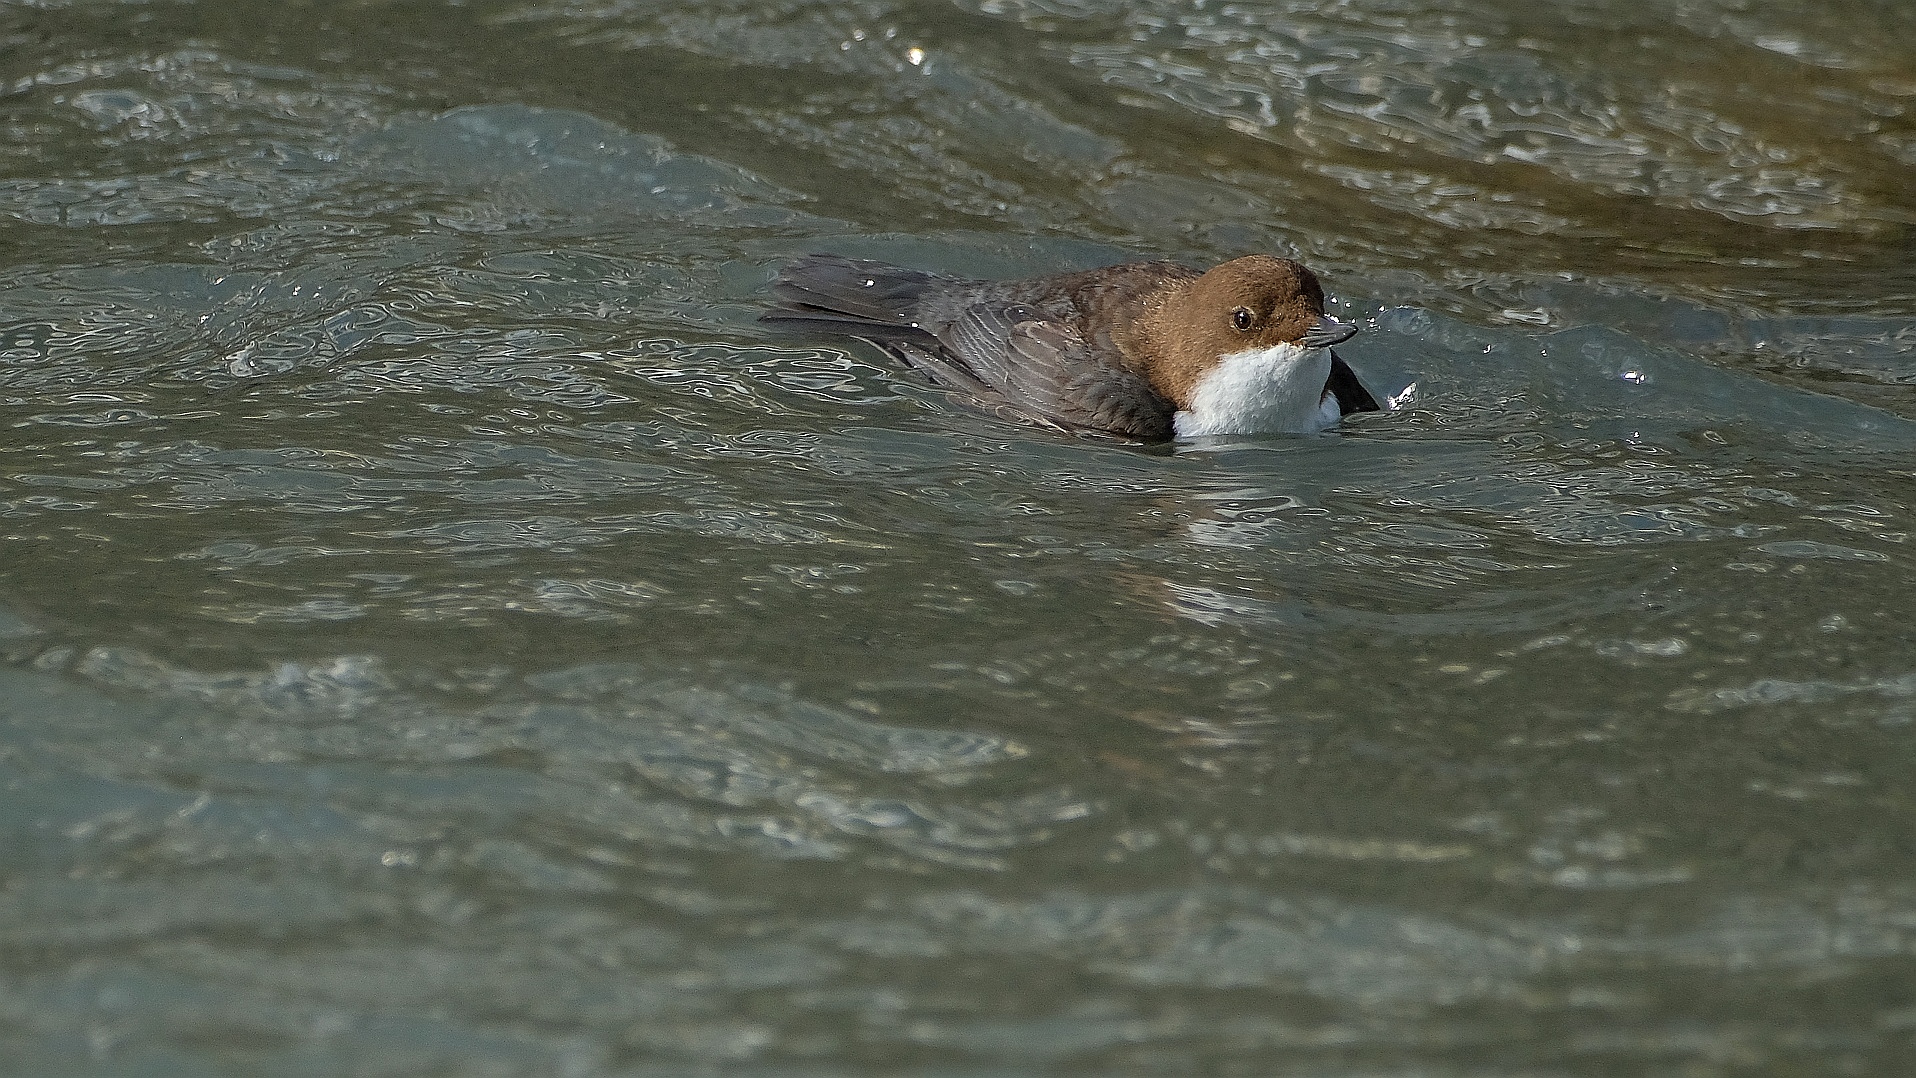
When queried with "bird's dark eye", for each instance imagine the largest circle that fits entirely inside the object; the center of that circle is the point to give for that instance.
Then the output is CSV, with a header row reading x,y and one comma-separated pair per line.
x,y
1241,318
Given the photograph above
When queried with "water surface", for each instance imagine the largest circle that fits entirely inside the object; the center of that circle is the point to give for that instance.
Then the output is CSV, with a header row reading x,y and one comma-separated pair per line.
x,y
443,632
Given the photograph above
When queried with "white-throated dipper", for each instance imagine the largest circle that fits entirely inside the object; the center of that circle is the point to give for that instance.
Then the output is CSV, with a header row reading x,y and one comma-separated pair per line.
x,y
1145,350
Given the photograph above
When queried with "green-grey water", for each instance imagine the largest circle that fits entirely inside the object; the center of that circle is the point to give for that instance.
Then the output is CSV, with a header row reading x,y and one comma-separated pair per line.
x,y
442,633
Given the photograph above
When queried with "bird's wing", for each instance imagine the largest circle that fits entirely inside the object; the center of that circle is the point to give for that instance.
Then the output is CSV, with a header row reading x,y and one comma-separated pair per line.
x,y
1041,368
1350,392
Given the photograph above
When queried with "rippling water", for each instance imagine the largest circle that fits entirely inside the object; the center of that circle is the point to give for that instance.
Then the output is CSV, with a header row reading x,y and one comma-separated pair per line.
x,y
443,632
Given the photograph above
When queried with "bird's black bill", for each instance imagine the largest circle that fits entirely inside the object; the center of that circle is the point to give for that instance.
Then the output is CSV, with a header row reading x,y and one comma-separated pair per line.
x,y
1328,331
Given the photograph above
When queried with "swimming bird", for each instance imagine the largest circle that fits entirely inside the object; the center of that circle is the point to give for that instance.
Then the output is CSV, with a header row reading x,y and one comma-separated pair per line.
x,y
1142,350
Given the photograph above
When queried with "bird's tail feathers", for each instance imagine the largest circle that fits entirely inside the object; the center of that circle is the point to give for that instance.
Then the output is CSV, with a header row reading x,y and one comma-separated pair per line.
x,y
847,294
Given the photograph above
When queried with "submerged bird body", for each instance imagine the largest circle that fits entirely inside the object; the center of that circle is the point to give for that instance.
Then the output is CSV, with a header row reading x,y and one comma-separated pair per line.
x,y
1146,350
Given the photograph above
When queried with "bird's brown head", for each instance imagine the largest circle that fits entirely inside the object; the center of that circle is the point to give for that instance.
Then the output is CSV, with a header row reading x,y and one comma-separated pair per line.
x,y
1247,303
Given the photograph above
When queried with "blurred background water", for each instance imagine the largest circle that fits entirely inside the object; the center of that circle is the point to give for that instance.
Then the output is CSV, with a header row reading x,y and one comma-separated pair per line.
x,y
444,634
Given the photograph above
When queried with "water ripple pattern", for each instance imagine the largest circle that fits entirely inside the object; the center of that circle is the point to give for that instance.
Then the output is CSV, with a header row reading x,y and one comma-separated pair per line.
x,y
441,631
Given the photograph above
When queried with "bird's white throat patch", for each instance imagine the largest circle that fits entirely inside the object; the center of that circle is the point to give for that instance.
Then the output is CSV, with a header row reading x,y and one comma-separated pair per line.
x,y
1275,390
